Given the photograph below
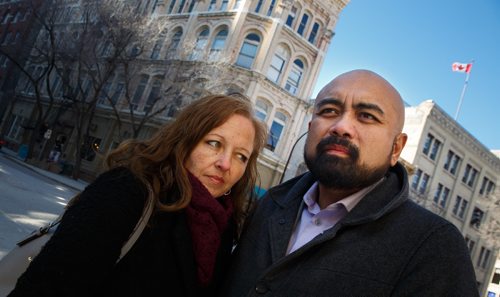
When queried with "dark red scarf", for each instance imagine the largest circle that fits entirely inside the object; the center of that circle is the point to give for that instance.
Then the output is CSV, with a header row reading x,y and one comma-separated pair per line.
x,y
207,218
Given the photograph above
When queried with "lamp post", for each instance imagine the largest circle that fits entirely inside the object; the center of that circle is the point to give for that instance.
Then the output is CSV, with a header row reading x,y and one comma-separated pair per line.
x,y
290,156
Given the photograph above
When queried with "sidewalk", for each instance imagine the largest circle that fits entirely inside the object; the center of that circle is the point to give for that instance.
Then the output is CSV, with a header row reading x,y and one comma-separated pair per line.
x,y
77,185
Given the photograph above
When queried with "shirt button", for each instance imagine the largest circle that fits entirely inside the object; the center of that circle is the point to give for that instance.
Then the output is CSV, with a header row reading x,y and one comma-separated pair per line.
x,y
261,288
317,222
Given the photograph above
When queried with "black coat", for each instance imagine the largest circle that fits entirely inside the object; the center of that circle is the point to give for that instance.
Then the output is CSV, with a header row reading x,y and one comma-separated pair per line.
x,y
80,259
385,246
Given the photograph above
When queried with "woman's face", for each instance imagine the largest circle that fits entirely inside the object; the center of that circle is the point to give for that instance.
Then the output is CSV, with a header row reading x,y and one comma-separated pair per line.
x,y
219,160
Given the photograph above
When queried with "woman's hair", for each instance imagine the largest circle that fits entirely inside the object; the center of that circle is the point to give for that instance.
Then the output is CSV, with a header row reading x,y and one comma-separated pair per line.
x,y
160,160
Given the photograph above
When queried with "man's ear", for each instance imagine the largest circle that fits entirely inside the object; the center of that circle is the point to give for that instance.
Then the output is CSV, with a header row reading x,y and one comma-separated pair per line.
x,y
397,147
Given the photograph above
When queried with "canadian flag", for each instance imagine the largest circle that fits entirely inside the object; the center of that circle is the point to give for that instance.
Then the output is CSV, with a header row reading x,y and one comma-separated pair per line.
x,y
461,67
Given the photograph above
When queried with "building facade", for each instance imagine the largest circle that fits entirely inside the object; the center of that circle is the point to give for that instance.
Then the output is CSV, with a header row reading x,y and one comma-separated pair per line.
x,y
455,176
269,50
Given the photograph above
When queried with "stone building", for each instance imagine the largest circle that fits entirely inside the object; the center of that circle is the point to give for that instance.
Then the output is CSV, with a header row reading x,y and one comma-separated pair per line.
x,y
269,50
455,176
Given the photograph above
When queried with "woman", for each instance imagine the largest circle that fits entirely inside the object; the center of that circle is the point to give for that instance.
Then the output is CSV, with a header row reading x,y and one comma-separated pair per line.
x,y
200,167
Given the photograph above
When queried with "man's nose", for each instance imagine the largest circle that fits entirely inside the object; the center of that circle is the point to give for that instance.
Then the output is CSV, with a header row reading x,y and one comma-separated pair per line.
x,y
223,161
343,126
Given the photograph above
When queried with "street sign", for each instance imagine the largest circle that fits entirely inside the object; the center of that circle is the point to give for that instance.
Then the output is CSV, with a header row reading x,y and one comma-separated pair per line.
x,y
47,134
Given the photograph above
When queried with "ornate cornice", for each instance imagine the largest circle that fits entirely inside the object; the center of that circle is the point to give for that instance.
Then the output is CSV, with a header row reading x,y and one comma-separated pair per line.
x,y
464,137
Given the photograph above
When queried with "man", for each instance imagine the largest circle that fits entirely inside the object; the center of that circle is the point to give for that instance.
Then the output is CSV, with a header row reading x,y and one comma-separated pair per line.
x,y
347,228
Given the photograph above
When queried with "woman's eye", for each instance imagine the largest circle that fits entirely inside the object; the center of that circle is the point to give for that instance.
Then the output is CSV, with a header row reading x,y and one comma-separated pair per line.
x,y
213,143
242,157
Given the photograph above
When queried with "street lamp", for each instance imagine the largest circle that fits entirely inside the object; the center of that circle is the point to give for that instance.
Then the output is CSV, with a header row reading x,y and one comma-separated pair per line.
x,y
290,156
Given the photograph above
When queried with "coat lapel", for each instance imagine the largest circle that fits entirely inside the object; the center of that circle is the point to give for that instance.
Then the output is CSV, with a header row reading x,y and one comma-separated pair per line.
x,y
282,222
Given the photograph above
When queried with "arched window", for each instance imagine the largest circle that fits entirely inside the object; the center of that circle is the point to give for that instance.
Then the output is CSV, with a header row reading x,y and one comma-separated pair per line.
x,y
201,42
261,110
171,7
212,5
271,7
259,6
291,16
314,33
154,94
223,6
139,91
237,4
174,44
218,44
278,63
303,24
294,77
248,51
276,130
155,53
181,6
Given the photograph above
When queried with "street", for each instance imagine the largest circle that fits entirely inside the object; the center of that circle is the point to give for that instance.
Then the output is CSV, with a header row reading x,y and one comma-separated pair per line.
x,y
29,198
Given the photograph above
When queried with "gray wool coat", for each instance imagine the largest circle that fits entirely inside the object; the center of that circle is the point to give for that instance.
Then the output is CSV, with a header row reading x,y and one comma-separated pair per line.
x,y
386,246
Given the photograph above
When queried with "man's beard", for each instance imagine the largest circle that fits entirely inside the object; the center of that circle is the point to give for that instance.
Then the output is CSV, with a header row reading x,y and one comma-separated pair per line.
x,y
342,173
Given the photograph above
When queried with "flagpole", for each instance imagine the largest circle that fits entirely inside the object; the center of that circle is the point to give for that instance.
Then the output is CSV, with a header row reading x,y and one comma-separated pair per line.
x,y
463,93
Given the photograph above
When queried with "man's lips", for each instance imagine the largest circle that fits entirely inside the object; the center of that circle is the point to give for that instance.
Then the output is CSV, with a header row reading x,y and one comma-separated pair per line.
x,y
336,149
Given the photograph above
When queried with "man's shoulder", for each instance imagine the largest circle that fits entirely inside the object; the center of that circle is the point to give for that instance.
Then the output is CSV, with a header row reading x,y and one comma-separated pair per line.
x,y
297,185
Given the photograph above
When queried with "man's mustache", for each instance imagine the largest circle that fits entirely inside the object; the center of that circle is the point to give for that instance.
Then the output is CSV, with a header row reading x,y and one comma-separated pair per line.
x,y
352,150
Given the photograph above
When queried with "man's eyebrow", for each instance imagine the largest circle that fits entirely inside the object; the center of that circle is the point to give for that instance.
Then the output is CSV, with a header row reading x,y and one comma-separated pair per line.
x,y
329,101
369,106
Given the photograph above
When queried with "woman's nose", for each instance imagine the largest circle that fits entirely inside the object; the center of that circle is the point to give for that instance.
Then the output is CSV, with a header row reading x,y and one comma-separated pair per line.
x,y
223,162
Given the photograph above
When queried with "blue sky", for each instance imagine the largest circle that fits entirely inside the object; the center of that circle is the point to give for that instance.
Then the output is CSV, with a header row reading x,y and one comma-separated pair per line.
x,y
413,44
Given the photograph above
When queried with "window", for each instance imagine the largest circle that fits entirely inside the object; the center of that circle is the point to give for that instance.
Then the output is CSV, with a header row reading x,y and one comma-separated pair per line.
x,y
271,7
293,80
470,244
476,218
201,42
314,33
277,64
155,54
275,131
211,6
104,94
452,162
154,94
261,110
176,39
259,6
218,44
181,6
224,4
416,179
484,257
291,16
487,187
139,91
171,7
191,5
431,147
441,195
460,207
90,147
423,184
470,175
237,4
248,51
303,23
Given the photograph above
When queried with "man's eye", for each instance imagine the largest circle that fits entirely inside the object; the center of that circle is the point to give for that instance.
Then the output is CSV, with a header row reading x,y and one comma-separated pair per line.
x,y
327,111
213,143
367,116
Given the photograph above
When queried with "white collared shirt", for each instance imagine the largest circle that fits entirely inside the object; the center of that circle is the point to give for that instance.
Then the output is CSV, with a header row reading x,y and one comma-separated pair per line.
x,y
315,221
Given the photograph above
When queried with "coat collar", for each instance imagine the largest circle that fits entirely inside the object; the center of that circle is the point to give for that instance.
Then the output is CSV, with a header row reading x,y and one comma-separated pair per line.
x,y
384,198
